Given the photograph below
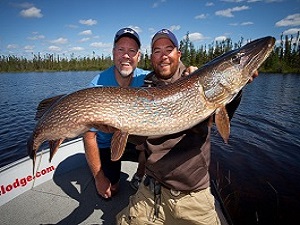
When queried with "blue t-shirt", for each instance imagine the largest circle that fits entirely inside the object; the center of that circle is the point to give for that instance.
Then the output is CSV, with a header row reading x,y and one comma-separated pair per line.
x,y
107,78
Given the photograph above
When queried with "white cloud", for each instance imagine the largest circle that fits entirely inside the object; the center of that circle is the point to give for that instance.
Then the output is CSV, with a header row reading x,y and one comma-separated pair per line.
x,y
228,12
32,12
60,41
136,28
201,16
86,32
36,37
72,26
233,1
241,24
209,4
151,30
221,38
29,48
156,4
77,49
270,1
247,23
88,22
174,27
291,31
12,46
290,20
84,39
196,37
54,48
100,45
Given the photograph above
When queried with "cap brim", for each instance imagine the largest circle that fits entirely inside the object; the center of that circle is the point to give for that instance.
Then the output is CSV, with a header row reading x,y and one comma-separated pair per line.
x,y
131,36
159,36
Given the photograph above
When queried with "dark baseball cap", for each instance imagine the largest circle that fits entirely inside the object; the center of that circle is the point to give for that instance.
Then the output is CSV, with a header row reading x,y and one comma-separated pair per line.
x,y
127,32
165,33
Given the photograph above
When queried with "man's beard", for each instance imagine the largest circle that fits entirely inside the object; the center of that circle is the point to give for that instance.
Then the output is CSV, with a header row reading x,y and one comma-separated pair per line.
x,y
125,73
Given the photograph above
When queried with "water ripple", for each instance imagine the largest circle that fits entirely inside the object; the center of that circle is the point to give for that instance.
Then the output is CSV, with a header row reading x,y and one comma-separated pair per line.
x,y
18,101
263,149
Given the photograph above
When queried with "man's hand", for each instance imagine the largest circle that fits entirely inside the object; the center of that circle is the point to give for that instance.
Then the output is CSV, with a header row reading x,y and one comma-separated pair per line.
x,y
254,75
190,70
103,185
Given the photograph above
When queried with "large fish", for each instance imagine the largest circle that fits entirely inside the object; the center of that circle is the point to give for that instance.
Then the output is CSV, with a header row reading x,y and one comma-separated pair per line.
x,y
151,111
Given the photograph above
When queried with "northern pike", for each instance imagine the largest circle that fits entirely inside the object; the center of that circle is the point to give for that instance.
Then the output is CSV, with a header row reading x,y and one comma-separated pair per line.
x,y
151,111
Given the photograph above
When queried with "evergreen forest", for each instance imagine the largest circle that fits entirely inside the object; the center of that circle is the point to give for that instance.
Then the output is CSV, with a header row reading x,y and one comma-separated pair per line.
x,y
285,58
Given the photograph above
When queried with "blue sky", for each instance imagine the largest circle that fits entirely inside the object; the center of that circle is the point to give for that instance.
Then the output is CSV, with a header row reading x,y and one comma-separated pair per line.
x,y
79,28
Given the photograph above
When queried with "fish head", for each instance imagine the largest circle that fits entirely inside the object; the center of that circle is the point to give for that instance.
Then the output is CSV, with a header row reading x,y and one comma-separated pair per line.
x,y
250,57
223,77
246,59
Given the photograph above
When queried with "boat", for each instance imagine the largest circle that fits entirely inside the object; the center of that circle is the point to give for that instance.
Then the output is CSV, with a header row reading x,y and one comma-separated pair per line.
x,y
62,191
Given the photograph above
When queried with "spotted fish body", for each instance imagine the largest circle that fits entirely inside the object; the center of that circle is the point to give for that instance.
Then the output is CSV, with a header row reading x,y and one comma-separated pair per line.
x,y
152,111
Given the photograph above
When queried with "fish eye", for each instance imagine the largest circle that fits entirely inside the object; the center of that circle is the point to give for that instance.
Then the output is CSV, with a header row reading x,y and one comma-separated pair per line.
x,y
236,59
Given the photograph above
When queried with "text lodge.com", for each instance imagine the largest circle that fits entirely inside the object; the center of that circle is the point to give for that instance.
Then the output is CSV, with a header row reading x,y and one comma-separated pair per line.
x,y
22,182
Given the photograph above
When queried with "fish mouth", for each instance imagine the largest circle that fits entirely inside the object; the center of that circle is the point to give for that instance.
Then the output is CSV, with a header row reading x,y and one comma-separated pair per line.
x,y
255,52
261,43
250,55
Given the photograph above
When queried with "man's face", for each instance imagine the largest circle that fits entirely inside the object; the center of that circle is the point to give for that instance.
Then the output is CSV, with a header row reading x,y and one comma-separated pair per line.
x,y
126,56
165,58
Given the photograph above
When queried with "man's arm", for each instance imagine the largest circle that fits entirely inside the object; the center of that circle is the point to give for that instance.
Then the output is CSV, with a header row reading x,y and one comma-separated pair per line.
x,y
92,155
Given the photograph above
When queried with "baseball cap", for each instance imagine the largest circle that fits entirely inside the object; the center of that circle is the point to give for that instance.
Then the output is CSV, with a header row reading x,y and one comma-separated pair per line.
x,y
165,33
127,32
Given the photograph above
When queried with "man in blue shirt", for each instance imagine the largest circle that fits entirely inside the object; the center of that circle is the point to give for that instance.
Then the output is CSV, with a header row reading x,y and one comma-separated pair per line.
x,y
124,73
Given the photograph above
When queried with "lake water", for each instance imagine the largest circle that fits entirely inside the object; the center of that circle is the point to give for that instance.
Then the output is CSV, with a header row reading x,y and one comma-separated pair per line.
x,y
20,95
258,171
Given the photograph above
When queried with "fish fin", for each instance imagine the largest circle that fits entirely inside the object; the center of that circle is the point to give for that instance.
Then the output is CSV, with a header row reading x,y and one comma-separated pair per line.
x,y
54,145
222,123
31,152
118,144
45,104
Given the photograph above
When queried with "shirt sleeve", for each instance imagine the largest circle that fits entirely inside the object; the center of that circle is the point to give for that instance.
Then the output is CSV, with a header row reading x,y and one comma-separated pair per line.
x,y
94,82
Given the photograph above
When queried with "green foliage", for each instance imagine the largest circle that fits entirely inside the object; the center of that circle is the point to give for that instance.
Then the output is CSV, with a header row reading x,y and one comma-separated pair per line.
x,y
145,62
51,63
284,59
